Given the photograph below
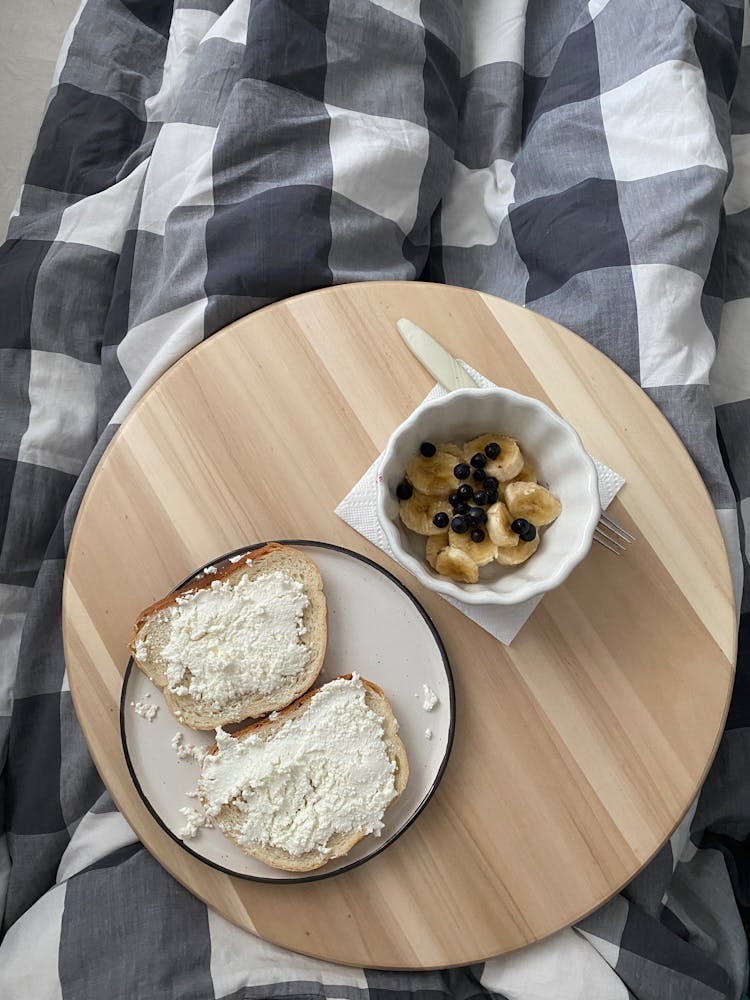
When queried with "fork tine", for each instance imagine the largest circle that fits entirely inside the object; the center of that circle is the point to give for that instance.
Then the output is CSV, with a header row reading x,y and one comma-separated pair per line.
x,y
619,542
609,543
609,522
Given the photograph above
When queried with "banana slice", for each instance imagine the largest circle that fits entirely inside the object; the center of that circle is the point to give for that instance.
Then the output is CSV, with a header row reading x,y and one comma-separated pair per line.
x,y
418,511
450,449
433,476
498,526
457,565
517,554
480,552
527,474
532,502
435,545
508,463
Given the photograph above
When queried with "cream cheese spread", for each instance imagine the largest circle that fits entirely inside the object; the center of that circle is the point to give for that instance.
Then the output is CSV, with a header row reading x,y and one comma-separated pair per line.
x,y
429,698
322,773
145,710
233,638
187,751
194,820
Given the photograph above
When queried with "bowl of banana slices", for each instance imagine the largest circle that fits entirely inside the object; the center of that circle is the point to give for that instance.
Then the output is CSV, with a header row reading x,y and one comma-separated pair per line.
x,y
488,496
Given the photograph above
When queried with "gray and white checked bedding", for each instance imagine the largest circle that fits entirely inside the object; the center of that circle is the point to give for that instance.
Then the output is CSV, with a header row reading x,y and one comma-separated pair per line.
x,y
590,160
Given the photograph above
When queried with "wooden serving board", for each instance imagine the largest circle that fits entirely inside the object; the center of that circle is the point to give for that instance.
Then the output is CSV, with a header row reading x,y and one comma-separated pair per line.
x,y
577,749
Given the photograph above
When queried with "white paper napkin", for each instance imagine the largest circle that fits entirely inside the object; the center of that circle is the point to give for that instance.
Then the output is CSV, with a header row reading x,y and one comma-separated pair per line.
x,y
359,509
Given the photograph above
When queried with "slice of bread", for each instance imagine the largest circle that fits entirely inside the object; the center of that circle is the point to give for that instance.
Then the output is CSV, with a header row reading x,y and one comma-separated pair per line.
x,y
229,819
155,626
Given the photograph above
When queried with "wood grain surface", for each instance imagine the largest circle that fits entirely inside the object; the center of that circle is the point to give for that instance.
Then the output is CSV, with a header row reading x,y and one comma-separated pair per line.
x,y
577,749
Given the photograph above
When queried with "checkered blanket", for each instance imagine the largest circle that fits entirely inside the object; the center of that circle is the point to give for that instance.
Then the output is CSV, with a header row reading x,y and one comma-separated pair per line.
x,y
196,161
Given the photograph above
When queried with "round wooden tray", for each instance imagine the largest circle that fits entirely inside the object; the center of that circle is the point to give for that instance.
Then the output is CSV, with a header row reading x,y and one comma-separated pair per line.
x,y
577,749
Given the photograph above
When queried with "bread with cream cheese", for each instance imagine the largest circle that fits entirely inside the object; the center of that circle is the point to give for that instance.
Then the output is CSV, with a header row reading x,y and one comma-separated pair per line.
x,y
242,641
269,798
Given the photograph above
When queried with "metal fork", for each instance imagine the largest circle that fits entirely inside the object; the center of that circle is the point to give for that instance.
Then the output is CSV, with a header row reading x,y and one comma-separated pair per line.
x,y
612,535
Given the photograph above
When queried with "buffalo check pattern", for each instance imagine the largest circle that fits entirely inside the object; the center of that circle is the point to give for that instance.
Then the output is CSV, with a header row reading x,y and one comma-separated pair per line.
x,y
201,158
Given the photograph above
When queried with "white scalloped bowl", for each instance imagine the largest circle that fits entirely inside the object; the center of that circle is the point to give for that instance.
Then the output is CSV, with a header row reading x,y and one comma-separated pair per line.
x,y
562,463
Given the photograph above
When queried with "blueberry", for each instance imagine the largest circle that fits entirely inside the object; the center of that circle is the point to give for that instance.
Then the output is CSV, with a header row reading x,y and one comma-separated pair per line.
x,y
476,515
520,525
528,534
492,497
465,491
461,471
492,450
479,475
453,499
461,508
460,525
479,460
404,490
427,448
480,498
477,535
491,483
440,520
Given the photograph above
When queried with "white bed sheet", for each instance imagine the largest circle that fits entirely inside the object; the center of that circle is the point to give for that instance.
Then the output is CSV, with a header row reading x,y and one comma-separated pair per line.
x,y
30,35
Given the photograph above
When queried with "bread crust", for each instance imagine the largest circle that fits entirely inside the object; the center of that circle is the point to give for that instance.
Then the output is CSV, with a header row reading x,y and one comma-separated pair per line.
x,y
195,585
198,715
341,844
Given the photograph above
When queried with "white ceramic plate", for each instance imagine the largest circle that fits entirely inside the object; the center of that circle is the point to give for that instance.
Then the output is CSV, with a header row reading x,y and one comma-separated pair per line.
x,y
376,627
